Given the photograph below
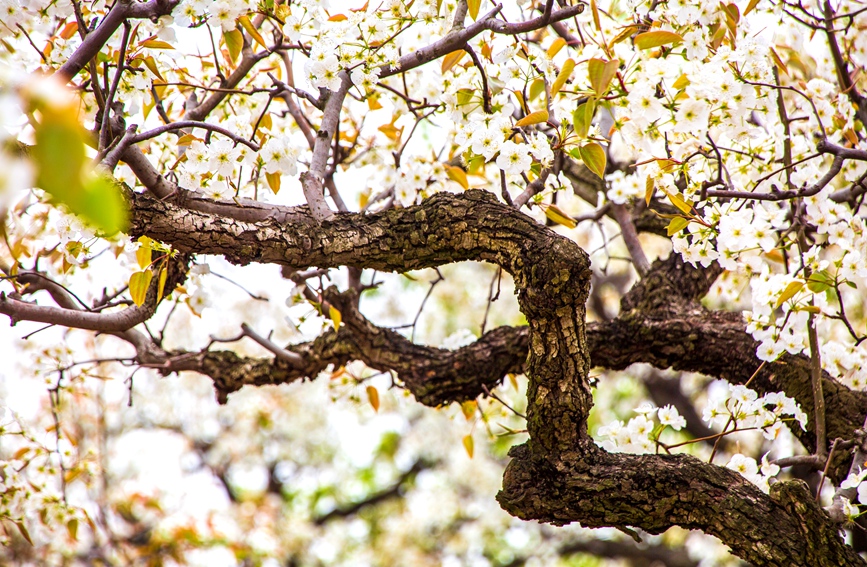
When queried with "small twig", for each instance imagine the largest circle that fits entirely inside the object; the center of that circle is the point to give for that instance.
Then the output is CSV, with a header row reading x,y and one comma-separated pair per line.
x,y
816,383
294,359
106,116
239,286
159,130
421,307
493,395
486,93
825,470
630,238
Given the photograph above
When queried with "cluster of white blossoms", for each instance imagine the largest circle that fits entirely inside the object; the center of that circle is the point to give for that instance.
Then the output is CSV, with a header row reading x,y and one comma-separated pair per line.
x,y
641,433
28,483
738,408
855,480
733,408
759,475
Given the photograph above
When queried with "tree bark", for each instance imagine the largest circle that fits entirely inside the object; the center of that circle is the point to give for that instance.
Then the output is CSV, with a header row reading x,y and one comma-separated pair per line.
x,y
559,476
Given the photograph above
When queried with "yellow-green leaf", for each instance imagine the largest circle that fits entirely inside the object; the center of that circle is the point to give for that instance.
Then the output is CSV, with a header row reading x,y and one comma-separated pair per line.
x,y
161,282
648,190
521,102
392,132
473,8
678,202
555,47
676,225
537,117
143,254
623,34
156,44
234,40
778,61
537,87
583,116
468,408
558,216
251,29
752,4
452,59
788,293
26,535
562,76
458,175
468,444
373,396
151,64
72,528
594,158
595,10
335,316
656,38
273,181
681,83
138,286
373,102
600,73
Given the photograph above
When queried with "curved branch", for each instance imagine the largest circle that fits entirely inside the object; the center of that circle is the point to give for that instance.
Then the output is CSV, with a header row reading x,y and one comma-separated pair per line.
x,y
655,492
122,11
559,475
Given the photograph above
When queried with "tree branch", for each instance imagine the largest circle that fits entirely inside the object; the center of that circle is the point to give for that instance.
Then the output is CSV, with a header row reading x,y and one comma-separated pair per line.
x,y
122,11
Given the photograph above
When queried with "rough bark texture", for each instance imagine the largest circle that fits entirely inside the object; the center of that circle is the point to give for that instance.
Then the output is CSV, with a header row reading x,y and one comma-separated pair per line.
x,y
559,475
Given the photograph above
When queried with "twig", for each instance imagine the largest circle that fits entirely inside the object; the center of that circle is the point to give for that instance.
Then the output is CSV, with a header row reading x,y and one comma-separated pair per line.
x,y
294,359
159,130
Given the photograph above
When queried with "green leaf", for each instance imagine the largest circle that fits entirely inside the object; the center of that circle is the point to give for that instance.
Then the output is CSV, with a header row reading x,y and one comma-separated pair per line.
x,y
537,87
465,96
72,528
676,225
648,190
138,286
788,293
64,173
59,155
234,43
600,73
583,116
594,158
651,39
820,281
103,205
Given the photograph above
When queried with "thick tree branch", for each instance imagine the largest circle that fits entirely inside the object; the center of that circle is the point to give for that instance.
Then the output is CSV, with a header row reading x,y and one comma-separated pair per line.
x,y
655,492
122,11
